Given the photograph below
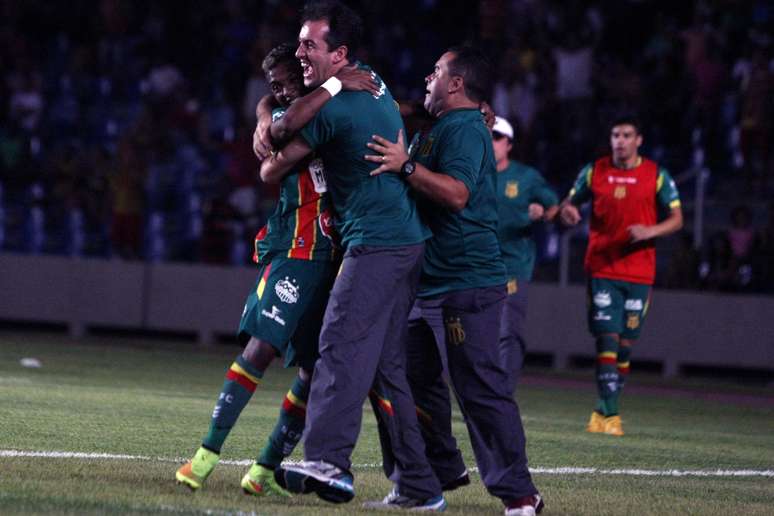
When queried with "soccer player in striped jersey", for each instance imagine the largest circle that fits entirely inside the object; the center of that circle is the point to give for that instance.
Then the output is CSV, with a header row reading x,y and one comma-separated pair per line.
x,y
283,312
626,192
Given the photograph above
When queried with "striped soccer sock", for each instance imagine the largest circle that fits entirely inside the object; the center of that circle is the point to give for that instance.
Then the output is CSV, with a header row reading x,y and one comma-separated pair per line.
x,y
290,425
607,375
624,352
238,387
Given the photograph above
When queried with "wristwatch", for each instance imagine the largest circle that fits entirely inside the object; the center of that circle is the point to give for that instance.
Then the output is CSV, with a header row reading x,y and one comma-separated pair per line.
x,y
407,168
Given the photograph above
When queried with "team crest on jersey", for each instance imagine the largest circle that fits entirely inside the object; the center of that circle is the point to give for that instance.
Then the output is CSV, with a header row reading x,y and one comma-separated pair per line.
x,y
619,192
513,286
512,189
633,321
455,333
287,290
602,299
317,173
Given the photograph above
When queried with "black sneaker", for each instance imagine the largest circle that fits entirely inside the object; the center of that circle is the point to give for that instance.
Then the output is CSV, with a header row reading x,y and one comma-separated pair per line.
x,y
461,481
329,482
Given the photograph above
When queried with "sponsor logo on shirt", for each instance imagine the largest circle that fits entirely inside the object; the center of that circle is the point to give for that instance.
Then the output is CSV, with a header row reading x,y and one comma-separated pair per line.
x,y
512,189
633,305
602,299
622,180
274,315
287,290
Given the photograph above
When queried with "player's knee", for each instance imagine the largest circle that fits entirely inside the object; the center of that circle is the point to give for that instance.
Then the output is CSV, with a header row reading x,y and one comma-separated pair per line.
x,y
259,353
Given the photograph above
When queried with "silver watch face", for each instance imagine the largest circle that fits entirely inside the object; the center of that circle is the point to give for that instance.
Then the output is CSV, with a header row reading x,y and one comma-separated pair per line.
x,y
408,168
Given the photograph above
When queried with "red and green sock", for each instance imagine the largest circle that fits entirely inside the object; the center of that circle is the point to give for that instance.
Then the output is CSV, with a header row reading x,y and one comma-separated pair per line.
x,y
241,380
607,375
290,425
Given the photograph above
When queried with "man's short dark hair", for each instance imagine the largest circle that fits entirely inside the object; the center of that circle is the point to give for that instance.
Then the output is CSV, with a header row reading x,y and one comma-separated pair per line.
x,y
627,119
346,26
473,66
284,54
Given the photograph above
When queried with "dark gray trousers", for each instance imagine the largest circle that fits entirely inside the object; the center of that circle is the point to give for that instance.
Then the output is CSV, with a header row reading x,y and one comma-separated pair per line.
x,y
513,346
362,349
481,383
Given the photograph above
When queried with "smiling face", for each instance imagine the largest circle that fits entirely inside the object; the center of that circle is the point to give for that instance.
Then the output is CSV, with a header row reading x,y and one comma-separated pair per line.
x,y
625,142
317,60
438,85
285,83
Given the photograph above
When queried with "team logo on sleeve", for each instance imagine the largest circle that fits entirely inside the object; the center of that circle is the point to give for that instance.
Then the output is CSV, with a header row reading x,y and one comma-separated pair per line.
x,y
287,290
512,189
602,299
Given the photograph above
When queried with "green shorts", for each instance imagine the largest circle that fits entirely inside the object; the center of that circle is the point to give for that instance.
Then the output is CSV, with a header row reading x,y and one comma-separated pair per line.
x,y
617,307
285,308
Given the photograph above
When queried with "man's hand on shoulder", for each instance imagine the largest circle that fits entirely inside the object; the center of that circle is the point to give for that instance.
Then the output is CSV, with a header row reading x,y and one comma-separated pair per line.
x,y
354,79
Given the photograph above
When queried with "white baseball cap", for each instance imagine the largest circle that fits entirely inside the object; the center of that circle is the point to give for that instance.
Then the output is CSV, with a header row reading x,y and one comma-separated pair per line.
x,y
503,127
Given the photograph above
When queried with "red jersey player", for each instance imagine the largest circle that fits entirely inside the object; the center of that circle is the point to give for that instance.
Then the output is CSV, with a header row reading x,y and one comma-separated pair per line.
x,y
625,191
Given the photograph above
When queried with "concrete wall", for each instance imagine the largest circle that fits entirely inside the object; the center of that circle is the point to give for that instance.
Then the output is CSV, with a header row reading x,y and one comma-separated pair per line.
x,y
682,328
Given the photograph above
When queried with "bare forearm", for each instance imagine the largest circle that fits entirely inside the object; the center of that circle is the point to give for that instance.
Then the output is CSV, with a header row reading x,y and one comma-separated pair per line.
x,y
439,188
298,115
671,224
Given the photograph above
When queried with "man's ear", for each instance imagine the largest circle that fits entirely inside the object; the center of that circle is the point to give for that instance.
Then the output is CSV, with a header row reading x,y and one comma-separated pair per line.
x,y
340,54
456,84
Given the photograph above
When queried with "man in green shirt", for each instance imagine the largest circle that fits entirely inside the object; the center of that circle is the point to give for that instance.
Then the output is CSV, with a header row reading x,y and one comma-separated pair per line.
x,y
523,197
452,170
362,343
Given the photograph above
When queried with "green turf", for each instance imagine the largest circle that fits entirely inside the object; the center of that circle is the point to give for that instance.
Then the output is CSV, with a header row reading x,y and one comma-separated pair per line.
x,y
155,399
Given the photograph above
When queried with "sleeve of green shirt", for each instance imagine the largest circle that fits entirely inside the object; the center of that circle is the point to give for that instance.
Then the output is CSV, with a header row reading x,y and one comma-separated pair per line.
x,y
460,154
322,128
581,190
543,193
666,190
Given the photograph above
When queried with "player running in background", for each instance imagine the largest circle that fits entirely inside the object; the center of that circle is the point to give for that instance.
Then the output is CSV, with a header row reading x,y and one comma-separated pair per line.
x,y
452,170
362,343
626,192
283,312
523,197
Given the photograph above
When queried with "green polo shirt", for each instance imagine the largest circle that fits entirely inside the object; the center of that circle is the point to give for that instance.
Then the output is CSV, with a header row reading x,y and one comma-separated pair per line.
x,y
518,186
463,252
377,211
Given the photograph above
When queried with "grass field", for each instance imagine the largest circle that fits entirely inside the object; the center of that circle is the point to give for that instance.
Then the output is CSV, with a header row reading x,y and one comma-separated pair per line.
x,y
694,449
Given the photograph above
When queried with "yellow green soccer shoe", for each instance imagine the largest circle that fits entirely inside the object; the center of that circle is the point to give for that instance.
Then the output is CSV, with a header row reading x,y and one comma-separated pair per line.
x,y
613,426
194,472
259,481
596,423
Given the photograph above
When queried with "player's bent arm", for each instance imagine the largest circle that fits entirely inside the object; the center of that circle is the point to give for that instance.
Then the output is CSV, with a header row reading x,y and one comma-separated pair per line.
x,y
276,167
671,224
305,108
298,115
440,188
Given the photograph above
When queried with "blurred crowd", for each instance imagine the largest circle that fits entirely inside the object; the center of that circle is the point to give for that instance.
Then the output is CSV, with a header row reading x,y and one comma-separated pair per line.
x,y
125,127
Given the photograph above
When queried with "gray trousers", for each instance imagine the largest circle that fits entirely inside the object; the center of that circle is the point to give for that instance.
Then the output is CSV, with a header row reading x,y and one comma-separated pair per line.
x,y
362,350
513,346
481,384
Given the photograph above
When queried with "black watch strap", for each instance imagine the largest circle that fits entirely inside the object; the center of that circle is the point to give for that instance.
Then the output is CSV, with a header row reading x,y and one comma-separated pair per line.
x,y
407,168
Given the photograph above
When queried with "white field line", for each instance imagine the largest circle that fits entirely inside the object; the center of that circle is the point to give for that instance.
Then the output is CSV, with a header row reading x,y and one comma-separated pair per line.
x,y
534,470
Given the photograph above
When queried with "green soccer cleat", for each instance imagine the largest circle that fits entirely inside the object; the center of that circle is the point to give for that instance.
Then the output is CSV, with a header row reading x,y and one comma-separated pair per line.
x,y
259,481
194,472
